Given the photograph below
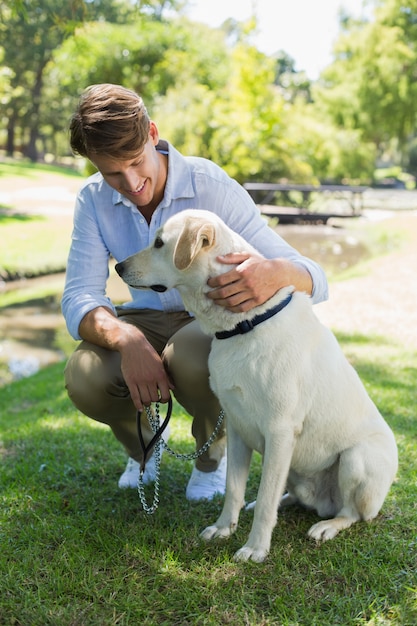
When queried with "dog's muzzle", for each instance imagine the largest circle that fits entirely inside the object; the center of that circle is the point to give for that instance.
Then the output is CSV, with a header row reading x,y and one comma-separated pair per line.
x,y
120,269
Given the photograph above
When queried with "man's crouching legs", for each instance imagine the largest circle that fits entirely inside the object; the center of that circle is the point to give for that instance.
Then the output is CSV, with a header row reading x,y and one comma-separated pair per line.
x,y
186,357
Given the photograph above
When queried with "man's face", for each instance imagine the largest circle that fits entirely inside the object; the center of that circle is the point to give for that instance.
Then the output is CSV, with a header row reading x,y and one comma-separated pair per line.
x,y
142,179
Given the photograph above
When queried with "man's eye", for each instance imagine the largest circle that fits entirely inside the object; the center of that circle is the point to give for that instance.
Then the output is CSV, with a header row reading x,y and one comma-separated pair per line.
x,y
158,243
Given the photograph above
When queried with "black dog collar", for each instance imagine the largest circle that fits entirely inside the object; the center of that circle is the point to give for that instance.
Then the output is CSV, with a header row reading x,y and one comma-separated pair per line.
x,y
247,325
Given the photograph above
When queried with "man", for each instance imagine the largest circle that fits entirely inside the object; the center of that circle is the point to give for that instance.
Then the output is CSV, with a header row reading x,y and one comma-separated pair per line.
x,y
140,352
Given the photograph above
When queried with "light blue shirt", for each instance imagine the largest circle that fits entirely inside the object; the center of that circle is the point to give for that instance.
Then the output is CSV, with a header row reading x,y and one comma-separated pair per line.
x,y
107,224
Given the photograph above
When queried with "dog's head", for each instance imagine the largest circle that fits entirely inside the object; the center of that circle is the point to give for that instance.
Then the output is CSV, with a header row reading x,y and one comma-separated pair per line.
x,y
183,253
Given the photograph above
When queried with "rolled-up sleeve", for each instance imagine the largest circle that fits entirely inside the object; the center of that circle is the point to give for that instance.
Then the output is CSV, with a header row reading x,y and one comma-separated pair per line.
x,y
243,216
87,268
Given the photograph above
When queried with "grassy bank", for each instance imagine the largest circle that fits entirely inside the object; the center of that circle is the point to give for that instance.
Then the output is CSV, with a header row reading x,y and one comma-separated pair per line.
x,y
40,246
35,217
74,550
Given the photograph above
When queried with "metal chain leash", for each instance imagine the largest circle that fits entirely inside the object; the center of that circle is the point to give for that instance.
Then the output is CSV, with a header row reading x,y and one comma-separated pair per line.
x,y
153,419
154,422
150,509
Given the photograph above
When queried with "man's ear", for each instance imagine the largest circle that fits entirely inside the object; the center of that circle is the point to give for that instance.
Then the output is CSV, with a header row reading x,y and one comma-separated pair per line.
x,y
196,234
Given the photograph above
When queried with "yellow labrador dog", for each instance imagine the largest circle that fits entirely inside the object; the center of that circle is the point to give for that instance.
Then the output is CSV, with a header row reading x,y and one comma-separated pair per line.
x,y
286,388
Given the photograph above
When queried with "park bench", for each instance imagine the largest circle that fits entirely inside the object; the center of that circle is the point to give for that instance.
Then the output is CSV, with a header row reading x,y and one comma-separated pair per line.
x,y
299,199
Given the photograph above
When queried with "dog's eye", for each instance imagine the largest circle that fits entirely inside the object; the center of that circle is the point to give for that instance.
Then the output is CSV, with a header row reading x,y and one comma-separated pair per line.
x,y
158,243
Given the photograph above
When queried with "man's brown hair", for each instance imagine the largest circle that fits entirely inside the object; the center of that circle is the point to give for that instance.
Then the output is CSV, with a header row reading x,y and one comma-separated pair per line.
x,y
110,120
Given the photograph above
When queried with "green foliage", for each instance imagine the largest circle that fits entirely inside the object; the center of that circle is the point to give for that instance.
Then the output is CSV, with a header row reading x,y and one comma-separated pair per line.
x,y
371,84
248,121
254,115
334,153
148,56
28,36
395,173
185,117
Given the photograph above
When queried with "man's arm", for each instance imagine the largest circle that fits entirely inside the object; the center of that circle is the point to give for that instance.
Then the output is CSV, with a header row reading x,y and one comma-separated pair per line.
x,y
142,367
286,266
255,280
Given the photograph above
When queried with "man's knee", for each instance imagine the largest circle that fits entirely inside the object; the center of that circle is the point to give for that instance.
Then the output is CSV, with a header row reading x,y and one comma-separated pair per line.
x,y
186,356
92,377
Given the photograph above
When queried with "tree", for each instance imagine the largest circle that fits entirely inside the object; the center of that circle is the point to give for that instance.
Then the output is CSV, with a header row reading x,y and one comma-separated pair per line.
x,y
186,111
335,154
30,31
153,57
371,86
248,136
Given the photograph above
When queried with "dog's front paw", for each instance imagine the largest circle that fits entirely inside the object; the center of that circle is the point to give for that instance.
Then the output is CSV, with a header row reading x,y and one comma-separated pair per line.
x,y
214,532
254,554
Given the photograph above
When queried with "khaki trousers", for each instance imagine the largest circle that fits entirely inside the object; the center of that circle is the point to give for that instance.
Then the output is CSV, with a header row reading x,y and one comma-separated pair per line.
x,y
96,387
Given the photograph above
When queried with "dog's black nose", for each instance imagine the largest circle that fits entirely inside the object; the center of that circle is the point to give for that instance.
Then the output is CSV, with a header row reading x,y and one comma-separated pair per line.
x,y
119,267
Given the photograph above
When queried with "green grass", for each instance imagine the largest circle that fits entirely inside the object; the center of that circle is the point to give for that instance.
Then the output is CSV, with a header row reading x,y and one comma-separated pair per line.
x,y
37,245
76,551
33,244
33,171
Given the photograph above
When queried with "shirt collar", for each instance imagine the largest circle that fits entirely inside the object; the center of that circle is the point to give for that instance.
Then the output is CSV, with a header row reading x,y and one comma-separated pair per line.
x,y
179,181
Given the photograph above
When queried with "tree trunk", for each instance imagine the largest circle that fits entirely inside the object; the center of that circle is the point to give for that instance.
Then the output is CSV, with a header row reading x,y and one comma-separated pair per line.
x,y
32,151
11,128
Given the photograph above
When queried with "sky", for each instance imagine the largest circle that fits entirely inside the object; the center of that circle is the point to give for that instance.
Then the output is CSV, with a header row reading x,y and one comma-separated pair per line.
x,y
305,29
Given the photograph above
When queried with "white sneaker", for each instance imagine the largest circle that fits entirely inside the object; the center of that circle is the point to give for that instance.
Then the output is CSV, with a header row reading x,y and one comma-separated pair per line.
x,y
205,485
130,477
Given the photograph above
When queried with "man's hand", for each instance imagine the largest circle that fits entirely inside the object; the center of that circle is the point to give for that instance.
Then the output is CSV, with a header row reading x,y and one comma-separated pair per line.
x,y
255,280
144,373
142,367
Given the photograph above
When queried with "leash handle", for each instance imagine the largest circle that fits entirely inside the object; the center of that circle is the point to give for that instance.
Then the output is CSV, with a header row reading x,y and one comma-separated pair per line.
x,y
147,448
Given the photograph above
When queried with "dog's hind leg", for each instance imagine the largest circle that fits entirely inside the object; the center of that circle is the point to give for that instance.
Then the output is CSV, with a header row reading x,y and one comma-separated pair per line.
x,y
238,463
286,500
364,479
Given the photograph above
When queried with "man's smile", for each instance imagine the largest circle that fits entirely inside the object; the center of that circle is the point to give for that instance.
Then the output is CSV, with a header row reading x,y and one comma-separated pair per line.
x,y
138,191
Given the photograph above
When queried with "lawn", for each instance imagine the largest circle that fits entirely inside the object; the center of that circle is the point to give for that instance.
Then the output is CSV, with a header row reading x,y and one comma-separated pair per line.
x,y
75,550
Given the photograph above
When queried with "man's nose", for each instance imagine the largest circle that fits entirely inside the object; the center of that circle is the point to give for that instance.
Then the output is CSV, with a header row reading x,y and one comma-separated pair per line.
x,y
131,181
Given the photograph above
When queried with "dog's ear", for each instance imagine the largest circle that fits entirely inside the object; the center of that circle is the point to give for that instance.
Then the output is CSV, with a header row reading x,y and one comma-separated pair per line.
x,y
196,234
